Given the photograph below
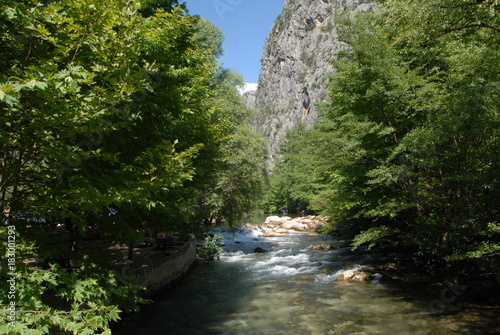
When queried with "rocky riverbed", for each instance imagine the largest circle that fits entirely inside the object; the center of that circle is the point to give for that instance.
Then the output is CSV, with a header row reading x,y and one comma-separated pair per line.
x,y
276,226
479,281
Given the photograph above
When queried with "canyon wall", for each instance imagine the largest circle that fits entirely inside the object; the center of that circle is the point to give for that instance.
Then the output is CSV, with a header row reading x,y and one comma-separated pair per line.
x,y
296,64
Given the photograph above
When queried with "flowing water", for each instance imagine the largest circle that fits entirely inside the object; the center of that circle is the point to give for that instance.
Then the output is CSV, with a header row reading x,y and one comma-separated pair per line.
x,y
291,289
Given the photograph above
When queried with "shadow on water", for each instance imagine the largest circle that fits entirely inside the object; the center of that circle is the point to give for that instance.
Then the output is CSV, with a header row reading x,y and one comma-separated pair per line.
x,y
291,290
195,306
202,303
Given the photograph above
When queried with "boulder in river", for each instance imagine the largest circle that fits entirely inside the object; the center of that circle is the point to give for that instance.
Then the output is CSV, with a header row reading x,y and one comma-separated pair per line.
x,y
280,230
250,226
323,247
259,250
294,225
273,219
354,275
277,219
270,234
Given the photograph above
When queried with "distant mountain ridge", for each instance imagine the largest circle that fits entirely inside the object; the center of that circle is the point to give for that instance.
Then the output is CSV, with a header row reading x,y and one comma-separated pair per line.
x,y
296,64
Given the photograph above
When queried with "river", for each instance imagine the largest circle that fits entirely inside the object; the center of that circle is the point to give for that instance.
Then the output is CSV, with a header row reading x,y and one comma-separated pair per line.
x,y
291,289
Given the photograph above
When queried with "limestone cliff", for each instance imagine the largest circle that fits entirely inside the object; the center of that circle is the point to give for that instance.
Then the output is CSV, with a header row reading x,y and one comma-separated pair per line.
x,y
250,98
296,65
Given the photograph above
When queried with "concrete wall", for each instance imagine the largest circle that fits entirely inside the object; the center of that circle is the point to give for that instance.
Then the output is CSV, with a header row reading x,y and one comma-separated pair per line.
x,y
164,275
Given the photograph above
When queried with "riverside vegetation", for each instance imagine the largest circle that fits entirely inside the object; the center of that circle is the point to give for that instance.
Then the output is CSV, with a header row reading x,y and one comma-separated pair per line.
x,y
115,119
406,149
115,113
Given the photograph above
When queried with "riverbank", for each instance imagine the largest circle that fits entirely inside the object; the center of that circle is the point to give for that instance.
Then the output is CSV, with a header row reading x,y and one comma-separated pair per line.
x,y
475,280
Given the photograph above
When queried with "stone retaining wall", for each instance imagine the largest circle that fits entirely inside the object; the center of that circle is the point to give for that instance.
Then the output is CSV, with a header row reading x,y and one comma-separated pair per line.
x,y
162,276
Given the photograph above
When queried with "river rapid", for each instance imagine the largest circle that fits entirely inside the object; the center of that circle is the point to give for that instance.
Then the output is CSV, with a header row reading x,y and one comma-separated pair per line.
x,y
291,289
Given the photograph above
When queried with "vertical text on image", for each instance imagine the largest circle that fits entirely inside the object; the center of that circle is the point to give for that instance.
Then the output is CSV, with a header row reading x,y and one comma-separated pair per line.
x,y
11,280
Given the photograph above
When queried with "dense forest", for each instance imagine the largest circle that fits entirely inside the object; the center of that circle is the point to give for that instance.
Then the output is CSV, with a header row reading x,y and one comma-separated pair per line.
x,y
115,114
407,148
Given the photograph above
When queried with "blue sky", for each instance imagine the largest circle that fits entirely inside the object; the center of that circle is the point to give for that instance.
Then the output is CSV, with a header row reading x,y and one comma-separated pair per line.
x,y
245,24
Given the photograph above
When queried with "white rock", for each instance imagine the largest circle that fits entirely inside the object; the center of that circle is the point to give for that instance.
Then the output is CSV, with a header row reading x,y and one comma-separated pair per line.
x,y
273,219
354,275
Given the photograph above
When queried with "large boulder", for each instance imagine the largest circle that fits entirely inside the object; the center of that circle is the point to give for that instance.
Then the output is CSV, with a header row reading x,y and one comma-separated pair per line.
x,y
354,276
277,219
273,219
313,224
294,225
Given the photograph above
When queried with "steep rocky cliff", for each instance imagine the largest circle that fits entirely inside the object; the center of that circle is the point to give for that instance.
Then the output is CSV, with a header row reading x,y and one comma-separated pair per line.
x,y
296,65
250,98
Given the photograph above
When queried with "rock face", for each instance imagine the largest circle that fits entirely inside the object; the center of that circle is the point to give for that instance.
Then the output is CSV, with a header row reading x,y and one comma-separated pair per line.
x,y
250,98
296,65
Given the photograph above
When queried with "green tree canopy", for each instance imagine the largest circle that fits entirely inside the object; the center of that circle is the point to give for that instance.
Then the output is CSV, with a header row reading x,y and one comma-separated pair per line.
x,y
407,147
109,119
242,178
414,124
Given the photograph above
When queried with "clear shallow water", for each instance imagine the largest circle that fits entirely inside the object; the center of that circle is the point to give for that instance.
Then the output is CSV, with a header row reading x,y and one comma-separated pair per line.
x,y
291,289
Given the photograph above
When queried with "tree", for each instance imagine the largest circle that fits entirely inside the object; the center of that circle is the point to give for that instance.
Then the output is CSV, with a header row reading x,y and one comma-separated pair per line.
x,y
107,121
242,177
406,148
295,182
453,154
64,72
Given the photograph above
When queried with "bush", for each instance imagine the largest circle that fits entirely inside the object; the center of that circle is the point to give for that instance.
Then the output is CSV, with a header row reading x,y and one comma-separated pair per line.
x,y
210,249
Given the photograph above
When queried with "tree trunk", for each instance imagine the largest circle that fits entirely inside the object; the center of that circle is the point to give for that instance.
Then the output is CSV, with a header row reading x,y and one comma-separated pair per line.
x,y
130,252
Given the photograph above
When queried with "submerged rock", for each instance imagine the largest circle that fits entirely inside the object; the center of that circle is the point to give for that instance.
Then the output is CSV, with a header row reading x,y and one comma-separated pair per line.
x,y
259,250
270,234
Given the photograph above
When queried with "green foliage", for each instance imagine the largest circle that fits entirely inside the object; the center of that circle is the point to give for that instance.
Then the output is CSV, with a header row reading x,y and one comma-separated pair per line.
x,y
210,249
407,148
209,35
58,300
294,182
110,120
375,236
242,176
